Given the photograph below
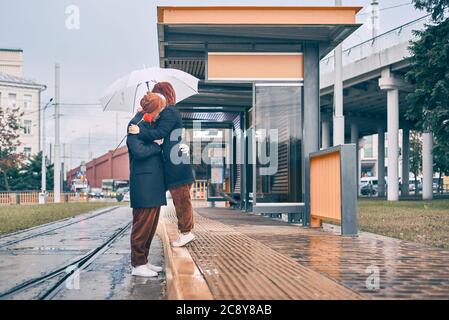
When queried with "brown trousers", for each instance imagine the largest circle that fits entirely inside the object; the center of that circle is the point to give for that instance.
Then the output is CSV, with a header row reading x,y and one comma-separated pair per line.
x,y
144,227
183,207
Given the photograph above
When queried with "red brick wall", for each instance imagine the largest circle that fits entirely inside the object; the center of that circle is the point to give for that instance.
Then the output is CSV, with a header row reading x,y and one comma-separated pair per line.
x,y
107,166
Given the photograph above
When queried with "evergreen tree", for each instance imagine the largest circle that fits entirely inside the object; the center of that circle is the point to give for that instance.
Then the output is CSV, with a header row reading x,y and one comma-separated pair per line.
x,y
415,155
429,73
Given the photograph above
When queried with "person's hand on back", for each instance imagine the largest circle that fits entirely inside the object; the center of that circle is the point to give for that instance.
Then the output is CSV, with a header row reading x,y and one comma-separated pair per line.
x,y
184,148
133,129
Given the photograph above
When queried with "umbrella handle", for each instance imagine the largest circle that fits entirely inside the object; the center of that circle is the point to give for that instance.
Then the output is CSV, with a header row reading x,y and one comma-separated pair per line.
x,y
119,144
125,137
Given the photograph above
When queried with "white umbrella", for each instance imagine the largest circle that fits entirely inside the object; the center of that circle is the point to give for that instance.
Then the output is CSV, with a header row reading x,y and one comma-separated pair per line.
x,y
125,93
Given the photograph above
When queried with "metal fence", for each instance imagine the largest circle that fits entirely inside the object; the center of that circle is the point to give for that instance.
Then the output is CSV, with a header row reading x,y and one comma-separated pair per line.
x,y
199,190
8,198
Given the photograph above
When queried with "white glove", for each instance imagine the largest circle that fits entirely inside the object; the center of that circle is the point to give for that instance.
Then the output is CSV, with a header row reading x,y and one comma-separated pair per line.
x,y
184,148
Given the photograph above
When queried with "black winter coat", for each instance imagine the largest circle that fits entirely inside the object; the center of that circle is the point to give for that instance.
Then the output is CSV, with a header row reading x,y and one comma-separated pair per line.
x,y
146,181
168,126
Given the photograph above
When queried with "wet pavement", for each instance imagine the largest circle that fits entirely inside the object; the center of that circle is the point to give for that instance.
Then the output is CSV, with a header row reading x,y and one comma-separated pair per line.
x,y
375,266
30,254
109,276
238,267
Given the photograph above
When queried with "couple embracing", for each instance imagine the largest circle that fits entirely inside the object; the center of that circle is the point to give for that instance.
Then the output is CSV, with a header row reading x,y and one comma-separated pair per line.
x,y
158,162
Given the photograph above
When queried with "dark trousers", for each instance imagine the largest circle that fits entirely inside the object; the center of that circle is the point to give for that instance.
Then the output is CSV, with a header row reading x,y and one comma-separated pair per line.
x,y
144,227
183,207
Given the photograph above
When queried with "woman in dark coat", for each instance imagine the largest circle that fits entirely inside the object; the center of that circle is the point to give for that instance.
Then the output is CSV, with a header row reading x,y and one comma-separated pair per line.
x,y
147,191
177,169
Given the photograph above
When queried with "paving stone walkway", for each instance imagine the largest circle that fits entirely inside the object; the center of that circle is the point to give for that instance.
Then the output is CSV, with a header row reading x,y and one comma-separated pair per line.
x,y
238,267
406,270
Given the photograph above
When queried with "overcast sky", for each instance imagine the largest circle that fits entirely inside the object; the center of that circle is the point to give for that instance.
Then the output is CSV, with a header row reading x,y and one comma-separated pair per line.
x,y
114,38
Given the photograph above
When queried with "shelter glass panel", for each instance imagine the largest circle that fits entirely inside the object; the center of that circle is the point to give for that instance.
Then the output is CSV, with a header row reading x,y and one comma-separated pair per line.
x,y
277,141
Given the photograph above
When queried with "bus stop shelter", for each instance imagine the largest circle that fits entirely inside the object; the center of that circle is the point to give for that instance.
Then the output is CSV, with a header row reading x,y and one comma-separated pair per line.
x,y
259,72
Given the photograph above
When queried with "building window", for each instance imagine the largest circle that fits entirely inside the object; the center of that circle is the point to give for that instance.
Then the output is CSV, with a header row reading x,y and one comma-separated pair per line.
x,y
27,127
27,152
12,100
27,99
368,148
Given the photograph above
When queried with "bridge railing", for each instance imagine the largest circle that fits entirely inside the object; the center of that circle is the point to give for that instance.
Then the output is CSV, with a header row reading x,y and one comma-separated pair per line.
x,y
399,35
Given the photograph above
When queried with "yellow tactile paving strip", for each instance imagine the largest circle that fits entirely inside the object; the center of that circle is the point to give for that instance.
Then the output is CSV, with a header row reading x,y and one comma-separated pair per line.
x,y
236,266
184,280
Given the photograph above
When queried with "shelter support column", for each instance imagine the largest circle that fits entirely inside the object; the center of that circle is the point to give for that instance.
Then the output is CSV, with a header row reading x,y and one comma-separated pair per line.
x,y
355,140
427,166
339,119
391,84
381,162
243,164
311,138
405,161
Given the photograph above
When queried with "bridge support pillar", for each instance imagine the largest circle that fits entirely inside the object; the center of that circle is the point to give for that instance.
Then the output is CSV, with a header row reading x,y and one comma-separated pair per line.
x,y
405,161
393,145
391,84
427,166
325,133
381,162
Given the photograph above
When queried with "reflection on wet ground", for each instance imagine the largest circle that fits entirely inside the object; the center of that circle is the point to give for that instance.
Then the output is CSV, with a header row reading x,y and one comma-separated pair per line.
x,y
406,270
109,276
53,246
238,267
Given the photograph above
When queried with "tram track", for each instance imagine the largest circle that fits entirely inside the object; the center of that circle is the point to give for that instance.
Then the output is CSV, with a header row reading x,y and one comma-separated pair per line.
x,y
66,275
34,235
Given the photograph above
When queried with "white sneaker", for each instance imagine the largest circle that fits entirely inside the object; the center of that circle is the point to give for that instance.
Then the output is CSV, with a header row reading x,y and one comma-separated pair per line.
x,y
143,271
183,239
153,267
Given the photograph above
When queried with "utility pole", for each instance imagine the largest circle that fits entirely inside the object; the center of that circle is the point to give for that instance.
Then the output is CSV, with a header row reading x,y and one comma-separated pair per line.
x,y
339,120
375,18
71,156
44,153
57,164
44,158
89,151
63,170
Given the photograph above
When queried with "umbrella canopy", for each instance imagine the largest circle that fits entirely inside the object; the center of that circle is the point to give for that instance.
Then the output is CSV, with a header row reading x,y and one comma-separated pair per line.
x,y
125,93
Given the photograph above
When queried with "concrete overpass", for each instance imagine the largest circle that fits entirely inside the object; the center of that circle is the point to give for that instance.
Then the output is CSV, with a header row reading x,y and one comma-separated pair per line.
x,y
374,95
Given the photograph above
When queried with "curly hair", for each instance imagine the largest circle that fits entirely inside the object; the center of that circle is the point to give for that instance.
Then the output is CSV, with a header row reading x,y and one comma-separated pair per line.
x,y
152,103
166,89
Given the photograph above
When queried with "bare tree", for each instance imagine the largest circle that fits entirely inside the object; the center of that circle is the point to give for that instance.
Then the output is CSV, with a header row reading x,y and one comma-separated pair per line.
x,y
9,140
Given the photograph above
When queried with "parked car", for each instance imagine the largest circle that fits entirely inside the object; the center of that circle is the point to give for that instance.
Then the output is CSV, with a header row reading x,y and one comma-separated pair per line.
x,y
412,185
126,197
120,194
96,193
368,186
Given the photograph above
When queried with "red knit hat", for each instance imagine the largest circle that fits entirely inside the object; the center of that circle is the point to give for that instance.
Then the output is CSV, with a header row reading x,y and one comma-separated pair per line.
x,y
152,102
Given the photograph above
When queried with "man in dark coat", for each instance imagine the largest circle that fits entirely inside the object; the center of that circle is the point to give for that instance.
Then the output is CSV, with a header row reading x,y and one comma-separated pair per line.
x,y
147,195
177,169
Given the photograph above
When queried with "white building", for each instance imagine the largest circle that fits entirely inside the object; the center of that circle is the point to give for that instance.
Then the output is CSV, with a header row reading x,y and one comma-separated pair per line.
x,y
16,91
369,154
